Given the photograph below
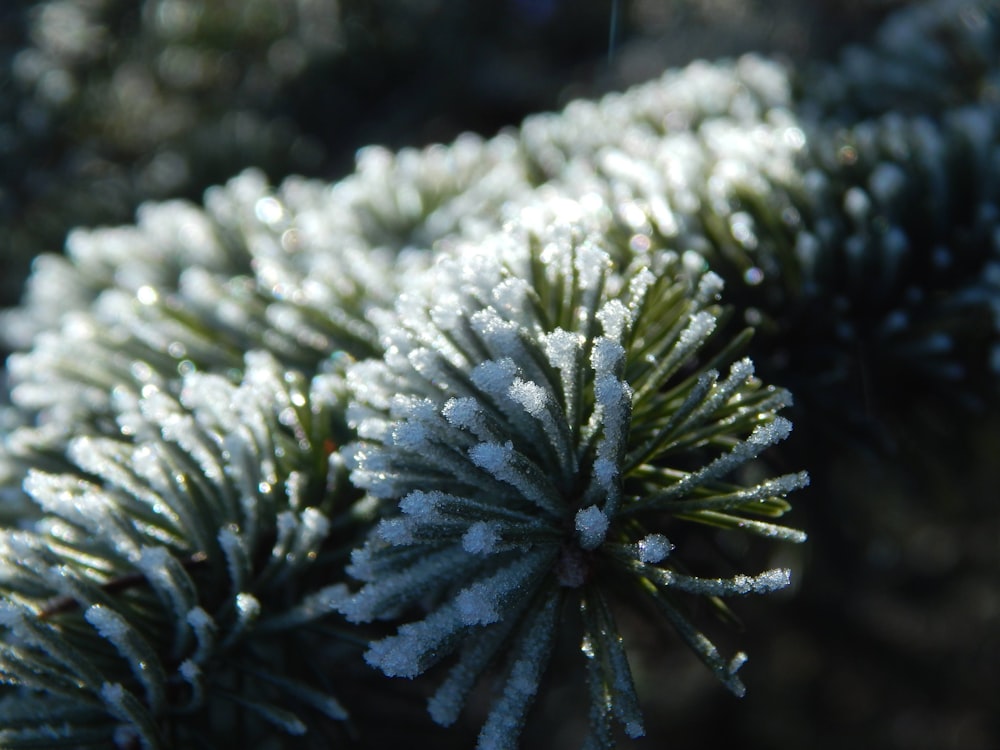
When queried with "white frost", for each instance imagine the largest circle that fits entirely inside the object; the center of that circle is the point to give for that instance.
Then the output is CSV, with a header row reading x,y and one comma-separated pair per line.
x,y
654,548
481,538
529,395
591,527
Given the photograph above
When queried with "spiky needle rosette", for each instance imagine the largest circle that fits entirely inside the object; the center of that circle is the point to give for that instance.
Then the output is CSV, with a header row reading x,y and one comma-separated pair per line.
x,y
169,593
285,270
542,418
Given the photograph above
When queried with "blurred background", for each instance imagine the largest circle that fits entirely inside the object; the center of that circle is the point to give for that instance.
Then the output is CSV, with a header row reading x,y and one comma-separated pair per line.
x,y
106,103
891,635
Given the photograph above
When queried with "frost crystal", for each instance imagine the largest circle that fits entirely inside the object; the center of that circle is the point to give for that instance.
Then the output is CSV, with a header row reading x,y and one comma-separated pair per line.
x,y
654,548
591,527
530,395
534,398
152,540
481,538
522,477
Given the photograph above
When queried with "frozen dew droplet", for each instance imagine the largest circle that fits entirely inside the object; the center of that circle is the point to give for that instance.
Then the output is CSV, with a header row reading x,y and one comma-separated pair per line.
x,y
710,287
591,527
606,356
395,531
477,605
529,395
493,457
769,434
698,329
654,548
615,318
481,538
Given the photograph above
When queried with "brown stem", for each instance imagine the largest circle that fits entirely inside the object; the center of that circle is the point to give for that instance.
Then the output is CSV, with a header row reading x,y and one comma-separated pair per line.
x,y
61,604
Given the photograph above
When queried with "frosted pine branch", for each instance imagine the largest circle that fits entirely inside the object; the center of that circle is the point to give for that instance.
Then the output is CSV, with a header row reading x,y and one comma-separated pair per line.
x,y
176,556
507,510
550,400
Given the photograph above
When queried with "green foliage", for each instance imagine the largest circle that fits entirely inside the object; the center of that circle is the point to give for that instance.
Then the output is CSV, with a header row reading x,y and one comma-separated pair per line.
x,y
156,597
523,378
540,417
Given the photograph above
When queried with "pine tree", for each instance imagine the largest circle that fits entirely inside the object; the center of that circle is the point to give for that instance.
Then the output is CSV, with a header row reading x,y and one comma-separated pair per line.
x,y
473,404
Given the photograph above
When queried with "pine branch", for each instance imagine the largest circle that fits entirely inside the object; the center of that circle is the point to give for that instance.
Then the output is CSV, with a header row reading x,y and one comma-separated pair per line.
x,y
502,500
169,564
522,343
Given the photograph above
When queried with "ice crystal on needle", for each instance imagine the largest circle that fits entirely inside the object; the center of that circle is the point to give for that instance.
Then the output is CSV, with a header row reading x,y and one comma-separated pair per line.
x,y
539,417
165,564
189,289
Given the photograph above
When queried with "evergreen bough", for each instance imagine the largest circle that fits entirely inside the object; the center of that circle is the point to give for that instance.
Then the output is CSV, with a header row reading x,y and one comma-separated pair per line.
x,y
151,603
502,371
541,417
